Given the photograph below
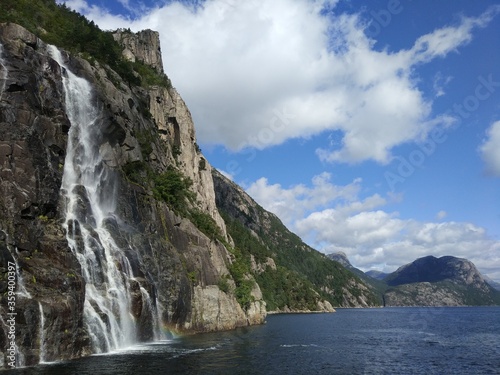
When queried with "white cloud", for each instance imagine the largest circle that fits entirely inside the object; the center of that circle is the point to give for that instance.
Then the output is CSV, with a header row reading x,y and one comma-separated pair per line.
x,y
334,218
441,215
439,84
379,238
490,149
293,203
239,63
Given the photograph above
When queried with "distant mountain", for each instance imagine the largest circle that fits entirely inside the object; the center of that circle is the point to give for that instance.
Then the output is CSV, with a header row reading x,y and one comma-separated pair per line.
x,y
377,285
377,274
341,257
445,281
492,283
429,281
432,269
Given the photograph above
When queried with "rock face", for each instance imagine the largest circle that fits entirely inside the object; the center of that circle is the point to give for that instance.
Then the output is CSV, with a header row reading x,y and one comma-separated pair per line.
x,y
175,268
341,257
432,269
142,46
445,281
33,128
376,286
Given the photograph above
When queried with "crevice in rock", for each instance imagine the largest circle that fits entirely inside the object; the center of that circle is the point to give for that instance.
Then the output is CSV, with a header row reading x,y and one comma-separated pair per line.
x,y
14,87
32,45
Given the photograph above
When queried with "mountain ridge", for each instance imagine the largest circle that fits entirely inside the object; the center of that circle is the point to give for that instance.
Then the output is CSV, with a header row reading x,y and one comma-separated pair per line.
x,y
270,241
432,281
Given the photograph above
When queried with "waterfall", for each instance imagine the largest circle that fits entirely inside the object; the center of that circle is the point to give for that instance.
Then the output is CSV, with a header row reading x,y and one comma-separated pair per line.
x,y
21,290
42,333
88,187
4,72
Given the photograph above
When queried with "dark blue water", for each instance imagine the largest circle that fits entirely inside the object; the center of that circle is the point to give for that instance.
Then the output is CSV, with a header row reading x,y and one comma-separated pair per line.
x,y
350,341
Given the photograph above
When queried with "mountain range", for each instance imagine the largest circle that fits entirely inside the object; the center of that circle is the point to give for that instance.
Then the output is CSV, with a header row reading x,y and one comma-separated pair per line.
x,y
429,281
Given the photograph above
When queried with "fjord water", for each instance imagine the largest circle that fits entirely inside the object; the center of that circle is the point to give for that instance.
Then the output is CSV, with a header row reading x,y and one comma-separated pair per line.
x,y
351,341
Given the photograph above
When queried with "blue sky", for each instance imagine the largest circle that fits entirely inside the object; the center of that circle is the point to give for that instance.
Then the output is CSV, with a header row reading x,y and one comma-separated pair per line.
x,y
369,127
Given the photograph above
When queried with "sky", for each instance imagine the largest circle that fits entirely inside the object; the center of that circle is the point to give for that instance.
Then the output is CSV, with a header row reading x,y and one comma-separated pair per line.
x,y
368,127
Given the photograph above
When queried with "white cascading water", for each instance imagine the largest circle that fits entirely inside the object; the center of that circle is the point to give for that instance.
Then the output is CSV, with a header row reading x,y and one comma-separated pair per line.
x,y
4,72
21,290
42,333
88,187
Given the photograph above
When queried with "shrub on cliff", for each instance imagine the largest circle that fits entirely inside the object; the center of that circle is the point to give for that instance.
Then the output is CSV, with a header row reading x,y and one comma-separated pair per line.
x,y
173,188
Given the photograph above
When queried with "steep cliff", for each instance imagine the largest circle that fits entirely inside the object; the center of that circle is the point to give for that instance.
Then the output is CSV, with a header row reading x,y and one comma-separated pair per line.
x,y
140,249
142,46
292,275
33,129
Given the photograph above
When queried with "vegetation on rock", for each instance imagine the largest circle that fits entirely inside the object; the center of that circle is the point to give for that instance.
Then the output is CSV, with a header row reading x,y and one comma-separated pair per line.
x,y
302,276
280,287
57,24
173,188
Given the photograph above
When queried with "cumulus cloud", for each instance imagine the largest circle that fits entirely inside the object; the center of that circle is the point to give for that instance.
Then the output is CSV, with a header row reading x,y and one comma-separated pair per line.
x,y
241,65
334,218
295,202
490,149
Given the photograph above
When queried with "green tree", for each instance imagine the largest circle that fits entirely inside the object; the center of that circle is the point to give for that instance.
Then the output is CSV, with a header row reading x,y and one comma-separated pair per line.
x,y
173,188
